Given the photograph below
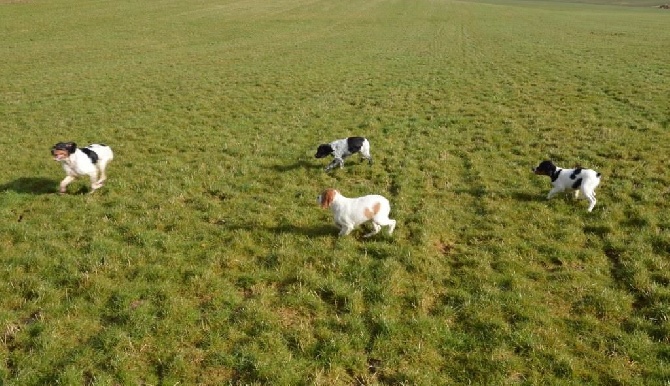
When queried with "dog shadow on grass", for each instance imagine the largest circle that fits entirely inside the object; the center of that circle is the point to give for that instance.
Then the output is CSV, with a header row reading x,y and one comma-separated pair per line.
x,y
527,197
300,164
329,231
542,197
309,231
31,185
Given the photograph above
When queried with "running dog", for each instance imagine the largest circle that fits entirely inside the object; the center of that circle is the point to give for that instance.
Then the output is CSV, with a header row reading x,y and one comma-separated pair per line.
x,y
88,161
351,212
579,180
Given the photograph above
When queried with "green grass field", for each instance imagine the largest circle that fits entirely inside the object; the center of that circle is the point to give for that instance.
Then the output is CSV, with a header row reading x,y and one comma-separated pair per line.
x,y
206,260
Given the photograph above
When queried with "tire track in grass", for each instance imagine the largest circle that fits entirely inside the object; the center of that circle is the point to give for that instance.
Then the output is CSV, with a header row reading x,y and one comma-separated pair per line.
x,y
473,182
408,208
474,233
643,277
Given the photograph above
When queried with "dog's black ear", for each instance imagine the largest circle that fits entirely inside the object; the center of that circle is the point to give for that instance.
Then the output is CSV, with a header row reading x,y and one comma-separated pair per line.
x,y
355,144
546,168
323,150
67,146
71,147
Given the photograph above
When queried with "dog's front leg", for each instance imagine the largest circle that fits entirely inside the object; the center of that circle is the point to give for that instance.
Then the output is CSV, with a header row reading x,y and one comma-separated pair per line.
x,y
63,184
331,165
334,163
553,192
366,156
338,161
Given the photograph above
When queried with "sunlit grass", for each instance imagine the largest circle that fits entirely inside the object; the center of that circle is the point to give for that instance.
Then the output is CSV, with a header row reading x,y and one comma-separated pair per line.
x,y
205,258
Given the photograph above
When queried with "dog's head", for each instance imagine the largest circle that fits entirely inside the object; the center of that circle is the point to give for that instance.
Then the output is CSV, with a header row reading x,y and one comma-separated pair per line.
x,y
545,168
327,197
62,150
323,150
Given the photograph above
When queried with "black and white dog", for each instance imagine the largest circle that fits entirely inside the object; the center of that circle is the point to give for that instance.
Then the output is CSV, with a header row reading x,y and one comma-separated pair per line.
x,y
579,180
343,148
89,161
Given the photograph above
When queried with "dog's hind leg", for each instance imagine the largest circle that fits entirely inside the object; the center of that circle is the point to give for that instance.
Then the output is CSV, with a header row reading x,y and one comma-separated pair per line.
x,y
592,201
95,182
385,221
375,229
391,225
103,176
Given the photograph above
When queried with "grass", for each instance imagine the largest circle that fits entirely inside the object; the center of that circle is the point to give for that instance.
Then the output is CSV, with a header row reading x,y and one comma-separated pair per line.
x,y
205,259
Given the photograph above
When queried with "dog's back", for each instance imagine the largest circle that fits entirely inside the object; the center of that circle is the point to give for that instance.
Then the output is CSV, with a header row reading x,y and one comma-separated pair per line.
x,y
354,144
99,153
582,179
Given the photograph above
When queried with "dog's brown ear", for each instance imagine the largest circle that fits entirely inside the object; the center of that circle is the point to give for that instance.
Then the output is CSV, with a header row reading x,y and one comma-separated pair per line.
x,y
327,198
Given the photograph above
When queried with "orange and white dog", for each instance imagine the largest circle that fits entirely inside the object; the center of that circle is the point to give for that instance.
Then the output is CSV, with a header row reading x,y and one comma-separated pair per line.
x,y
351,212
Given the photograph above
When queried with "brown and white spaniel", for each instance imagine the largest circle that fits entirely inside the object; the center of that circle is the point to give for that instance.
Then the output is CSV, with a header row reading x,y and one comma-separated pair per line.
x,y
350,212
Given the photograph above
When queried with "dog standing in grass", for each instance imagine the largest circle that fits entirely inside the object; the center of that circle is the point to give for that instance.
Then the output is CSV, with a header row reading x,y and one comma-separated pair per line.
x,y
350,212
343,148
578,179
89,161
